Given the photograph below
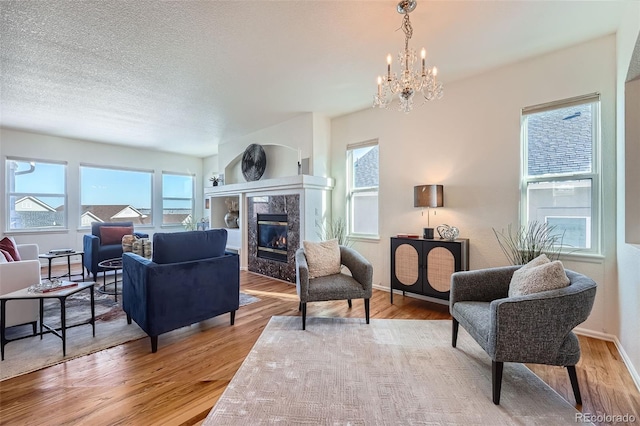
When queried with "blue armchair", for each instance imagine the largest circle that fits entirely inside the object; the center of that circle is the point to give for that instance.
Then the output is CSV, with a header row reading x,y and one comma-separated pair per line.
x,y
105,242
189,279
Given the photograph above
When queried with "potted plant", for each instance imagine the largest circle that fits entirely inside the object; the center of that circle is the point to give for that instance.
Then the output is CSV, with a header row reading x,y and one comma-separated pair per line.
x,y
336,228
525,243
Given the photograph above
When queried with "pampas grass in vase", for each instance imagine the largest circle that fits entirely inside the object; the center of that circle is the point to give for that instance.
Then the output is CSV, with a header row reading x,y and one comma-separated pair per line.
x,y
523,244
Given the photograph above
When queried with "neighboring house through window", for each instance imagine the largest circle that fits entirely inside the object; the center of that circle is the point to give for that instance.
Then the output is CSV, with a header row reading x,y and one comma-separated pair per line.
x,y
177,199
36,194
362,188
115,195
560,172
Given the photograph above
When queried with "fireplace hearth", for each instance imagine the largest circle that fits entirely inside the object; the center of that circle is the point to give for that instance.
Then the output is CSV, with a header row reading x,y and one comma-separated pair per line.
x,y
272,237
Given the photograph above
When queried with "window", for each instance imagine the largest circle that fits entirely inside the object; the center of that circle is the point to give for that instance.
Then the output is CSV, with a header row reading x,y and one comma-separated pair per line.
x,y
561,176
177,199
362,188
36,195
115,195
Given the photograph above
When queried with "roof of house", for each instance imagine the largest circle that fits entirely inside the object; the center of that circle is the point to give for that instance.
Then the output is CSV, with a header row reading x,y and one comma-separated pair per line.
x,y
111,213
37,201
367,169
560,141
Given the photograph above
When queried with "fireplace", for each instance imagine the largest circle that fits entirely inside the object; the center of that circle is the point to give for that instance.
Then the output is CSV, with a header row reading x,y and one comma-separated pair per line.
x,y
272,236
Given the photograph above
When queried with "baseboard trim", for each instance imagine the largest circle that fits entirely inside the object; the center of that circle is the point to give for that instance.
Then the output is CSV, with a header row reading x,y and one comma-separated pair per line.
x,y
627,361
623,354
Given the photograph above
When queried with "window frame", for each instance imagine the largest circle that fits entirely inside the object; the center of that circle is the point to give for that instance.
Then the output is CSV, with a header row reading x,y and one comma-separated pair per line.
x,y
9,194
594,175
151,174
351,191
193,197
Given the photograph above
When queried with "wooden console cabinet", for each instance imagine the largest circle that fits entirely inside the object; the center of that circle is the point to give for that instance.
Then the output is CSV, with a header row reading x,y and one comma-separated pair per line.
x,y
424,266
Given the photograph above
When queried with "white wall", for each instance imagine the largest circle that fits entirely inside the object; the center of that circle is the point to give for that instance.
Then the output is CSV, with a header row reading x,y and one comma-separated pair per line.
x,y
320,157
295,134
470,142
628,309
75,152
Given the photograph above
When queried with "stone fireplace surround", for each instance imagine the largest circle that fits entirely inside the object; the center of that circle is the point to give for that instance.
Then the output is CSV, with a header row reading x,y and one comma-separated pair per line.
x,y
305,199
274,204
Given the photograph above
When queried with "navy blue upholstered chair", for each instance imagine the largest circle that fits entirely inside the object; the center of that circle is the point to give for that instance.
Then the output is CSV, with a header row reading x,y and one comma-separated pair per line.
x,y
189,279
105,242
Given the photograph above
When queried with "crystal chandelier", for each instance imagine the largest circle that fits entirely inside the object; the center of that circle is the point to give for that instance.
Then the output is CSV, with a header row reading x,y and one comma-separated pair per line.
x,y
409,81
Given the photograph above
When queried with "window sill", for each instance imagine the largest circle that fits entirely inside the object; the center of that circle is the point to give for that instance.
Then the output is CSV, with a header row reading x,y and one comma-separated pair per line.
x,y
583,257
365,238
172,226
36,231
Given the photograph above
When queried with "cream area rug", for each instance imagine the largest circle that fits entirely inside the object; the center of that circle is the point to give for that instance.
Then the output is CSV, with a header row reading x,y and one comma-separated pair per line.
x,y
32,353
345,372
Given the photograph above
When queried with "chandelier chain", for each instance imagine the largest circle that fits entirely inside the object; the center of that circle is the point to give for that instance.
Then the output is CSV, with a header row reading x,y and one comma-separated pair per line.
x,y
408,31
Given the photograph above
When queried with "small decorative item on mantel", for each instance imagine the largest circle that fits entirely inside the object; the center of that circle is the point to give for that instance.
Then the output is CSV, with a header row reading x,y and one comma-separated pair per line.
x,y
215,180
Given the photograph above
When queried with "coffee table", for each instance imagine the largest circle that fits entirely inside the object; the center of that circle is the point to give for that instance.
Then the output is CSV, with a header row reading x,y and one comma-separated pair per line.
x,y
61,295
110,265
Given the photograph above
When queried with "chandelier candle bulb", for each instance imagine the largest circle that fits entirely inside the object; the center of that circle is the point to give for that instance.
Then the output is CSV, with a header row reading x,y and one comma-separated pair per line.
x,y
379,86
389,66
423,54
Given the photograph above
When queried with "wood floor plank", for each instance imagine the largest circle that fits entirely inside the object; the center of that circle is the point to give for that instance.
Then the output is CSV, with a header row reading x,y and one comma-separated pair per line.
x,y
180,383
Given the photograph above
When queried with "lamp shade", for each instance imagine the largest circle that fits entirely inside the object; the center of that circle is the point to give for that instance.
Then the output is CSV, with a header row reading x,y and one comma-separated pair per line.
x,y
428,196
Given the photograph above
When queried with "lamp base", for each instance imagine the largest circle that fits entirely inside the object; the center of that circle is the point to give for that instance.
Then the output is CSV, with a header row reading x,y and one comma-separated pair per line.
x,y
427,233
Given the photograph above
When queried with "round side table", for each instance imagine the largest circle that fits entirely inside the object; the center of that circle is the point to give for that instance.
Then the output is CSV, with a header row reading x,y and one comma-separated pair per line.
x,y
110,265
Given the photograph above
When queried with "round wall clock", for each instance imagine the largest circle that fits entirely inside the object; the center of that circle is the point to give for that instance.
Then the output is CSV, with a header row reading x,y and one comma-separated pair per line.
x,y
254,162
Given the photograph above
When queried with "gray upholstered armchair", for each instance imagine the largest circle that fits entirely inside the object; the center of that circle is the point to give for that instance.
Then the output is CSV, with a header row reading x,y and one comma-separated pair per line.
x,y
535,328
337,286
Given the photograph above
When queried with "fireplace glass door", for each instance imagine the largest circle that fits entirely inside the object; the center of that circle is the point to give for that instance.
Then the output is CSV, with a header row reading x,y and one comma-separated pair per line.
x,y
272,236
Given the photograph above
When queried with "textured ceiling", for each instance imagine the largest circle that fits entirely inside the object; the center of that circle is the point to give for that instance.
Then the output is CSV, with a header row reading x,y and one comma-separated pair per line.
x,y
182,76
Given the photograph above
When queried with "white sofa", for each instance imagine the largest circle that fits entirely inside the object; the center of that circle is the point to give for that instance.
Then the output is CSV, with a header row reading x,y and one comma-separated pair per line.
x,y
16,276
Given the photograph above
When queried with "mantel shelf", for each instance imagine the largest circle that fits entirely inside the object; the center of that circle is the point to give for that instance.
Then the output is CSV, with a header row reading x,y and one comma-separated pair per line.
x,y
275,184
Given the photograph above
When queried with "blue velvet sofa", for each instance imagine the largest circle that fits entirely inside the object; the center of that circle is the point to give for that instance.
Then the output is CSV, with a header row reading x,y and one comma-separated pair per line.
x,y
190,278
105,242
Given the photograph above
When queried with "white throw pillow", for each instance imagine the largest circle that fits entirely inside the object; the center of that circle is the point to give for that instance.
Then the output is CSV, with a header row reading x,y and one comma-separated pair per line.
x,y
323,258
538,275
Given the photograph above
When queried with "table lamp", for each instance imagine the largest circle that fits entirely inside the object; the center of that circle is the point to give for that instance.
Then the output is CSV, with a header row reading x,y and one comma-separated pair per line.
x,y
428,196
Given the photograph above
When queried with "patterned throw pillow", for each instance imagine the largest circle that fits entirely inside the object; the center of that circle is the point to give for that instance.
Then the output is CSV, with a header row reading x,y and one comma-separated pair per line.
x,y
323,258
8,245
538,275
127,243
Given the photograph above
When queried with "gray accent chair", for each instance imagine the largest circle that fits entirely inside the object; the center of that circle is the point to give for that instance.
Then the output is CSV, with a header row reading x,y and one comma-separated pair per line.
x,y
535,328
337,286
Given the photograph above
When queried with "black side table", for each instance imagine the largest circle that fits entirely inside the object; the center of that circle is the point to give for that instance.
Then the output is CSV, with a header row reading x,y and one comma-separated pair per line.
x,y
51,256
110,265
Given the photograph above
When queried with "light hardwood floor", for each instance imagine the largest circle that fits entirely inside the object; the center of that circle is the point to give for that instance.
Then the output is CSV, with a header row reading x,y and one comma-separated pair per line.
x,y
180,383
